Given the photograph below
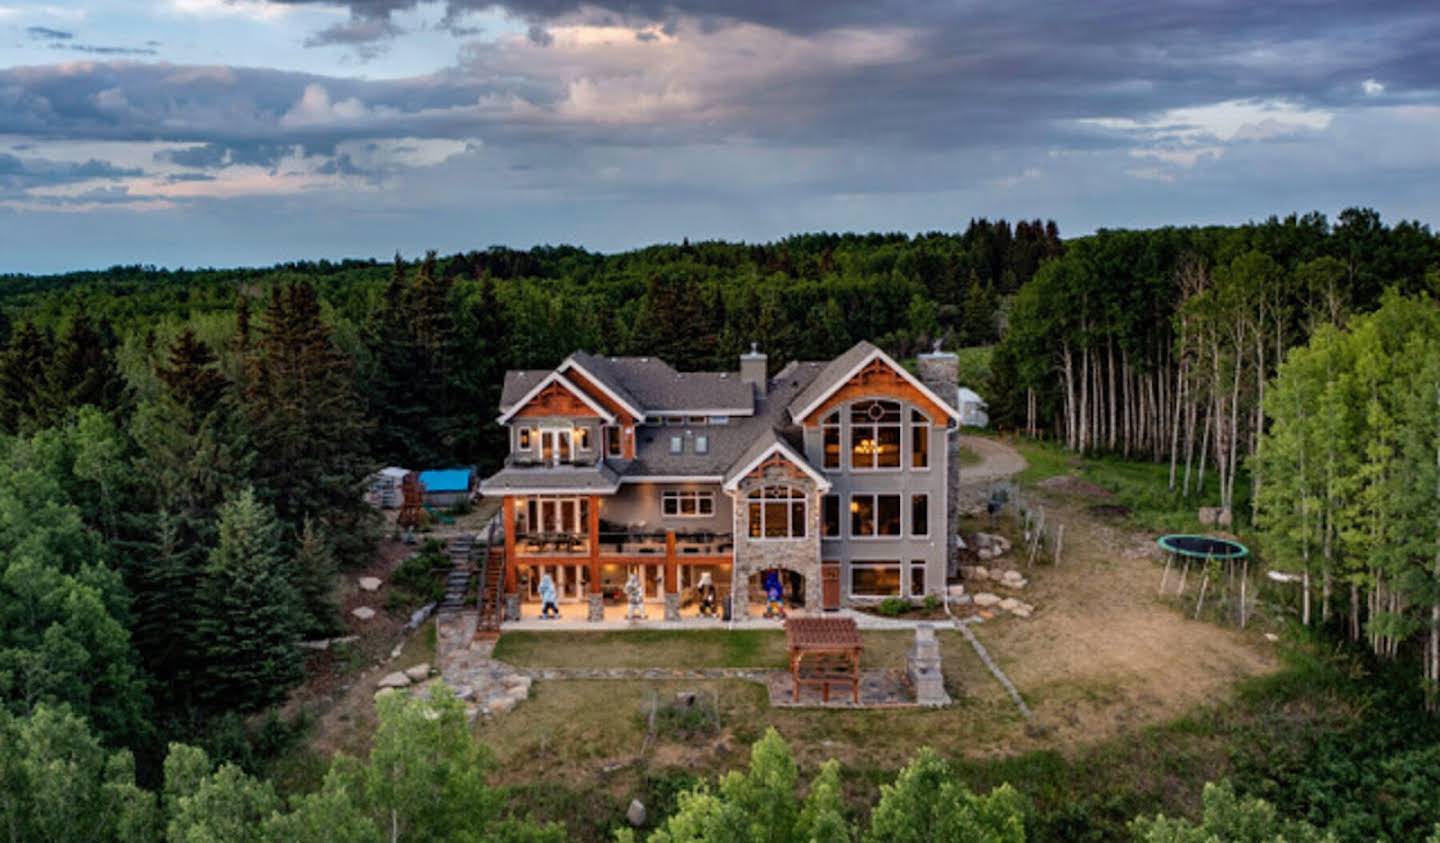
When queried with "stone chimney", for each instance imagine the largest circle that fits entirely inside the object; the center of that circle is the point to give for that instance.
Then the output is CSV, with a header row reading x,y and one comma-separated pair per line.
x,y
940,370
753,369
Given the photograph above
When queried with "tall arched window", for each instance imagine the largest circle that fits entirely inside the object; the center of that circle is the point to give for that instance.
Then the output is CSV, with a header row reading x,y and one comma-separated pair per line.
x,y
874,435
777,512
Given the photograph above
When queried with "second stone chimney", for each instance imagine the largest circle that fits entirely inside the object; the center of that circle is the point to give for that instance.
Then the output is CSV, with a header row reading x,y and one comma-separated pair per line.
x,y
753,369
940,370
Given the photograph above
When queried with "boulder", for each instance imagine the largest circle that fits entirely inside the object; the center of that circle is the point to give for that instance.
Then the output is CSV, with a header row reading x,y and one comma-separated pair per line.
x,y
1009,604
1023,610
385,692
685,699
1225,518
418,673
395,680
502,705
369,583
363,613
985,600
956,590
1209,515
635,814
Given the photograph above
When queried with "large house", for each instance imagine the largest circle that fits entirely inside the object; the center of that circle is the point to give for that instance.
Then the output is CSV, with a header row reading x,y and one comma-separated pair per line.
x,y
833,474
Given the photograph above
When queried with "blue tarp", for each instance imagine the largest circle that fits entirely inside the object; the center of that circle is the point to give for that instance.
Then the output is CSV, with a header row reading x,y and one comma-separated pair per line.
x,y
446,480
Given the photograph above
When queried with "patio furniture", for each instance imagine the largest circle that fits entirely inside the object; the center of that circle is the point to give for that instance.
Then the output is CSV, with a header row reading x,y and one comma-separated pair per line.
x,y
824,651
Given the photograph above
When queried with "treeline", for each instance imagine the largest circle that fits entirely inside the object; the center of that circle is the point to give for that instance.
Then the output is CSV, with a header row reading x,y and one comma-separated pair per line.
x,y
1159,344
1351,463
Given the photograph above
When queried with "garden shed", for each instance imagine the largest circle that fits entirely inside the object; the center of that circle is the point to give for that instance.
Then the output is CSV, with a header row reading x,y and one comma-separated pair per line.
x,y
384,491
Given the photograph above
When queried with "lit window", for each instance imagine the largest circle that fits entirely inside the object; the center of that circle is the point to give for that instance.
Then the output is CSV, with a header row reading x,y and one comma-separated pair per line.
x,y
919,440
874,515
702,444
525,434
582,438
612,441
874,435
674,421
697,420
777,512
687,504
677,444
878,578
831,428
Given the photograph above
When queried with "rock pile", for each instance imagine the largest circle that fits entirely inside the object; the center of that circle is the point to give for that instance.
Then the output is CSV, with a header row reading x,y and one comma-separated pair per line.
x,y
1010,578
988,546
1018,608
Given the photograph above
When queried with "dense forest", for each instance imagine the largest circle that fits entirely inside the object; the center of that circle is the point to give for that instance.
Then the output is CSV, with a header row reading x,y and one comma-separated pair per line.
x,y
182,456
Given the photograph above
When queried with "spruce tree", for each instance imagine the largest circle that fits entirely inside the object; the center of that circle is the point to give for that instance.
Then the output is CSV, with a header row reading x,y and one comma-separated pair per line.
x,y
251,617
81,373
307,424
22,365
315,572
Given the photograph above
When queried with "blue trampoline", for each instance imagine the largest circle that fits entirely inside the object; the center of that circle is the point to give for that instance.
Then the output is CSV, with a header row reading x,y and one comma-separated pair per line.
x,y
1203,547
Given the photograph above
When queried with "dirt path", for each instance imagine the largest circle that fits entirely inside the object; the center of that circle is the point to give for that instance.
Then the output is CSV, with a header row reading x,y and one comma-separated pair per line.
x,y
997,460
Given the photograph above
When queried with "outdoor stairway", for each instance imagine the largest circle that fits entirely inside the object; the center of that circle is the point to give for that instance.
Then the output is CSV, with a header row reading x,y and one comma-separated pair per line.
x,y
457,582
491,602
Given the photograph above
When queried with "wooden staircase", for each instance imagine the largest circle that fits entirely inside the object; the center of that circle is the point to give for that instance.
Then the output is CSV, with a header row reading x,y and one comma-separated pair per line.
x,y
491,602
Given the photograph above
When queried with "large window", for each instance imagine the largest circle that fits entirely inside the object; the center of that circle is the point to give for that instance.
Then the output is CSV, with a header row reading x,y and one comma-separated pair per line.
x,y
830,523
919,515
554,515
831,429
777,512
612,441
685,504
874,435
875,578
919,440
874,515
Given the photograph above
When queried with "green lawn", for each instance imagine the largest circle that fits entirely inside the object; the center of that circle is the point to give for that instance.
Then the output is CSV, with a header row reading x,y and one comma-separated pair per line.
x,y
1141,486
698,648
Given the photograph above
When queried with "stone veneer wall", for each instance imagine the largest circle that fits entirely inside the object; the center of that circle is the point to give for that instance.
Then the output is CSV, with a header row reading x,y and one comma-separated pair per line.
x,y
940,370
799,555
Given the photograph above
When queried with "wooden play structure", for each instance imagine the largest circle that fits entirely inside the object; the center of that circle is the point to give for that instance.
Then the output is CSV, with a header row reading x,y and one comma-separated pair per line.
x,y
824,652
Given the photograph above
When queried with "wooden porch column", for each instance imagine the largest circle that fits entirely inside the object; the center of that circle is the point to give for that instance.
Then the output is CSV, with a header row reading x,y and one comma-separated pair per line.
x,y
594,519
672,580
511,564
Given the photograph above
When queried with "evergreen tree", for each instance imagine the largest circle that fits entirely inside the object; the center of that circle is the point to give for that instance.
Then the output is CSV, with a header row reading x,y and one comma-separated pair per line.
x,y
306,423
977,317
251,617
483,341
315,572
81,373
24,359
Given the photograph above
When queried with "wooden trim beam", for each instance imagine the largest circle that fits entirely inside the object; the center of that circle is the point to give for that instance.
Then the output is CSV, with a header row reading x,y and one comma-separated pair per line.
x,y
511,580
594,519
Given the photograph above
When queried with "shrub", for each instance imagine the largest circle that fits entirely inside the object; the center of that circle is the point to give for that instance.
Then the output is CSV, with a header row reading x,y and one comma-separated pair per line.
x,y
892,607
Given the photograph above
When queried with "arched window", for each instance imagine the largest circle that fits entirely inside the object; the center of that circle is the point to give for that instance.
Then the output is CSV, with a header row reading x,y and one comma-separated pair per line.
x,y
874,435
777,512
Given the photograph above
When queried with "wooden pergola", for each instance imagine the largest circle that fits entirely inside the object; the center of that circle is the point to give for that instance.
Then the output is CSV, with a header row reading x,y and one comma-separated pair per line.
x,y
824,651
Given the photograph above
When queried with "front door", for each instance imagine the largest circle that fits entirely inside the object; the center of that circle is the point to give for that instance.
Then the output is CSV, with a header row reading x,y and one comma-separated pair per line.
x,y
555,444
830,586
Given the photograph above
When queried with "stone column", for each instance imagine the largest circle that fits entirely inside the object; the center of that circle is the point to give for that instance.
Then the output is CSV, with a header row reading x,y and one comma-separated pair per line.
x,y
595,611
512,606
672,606
923,664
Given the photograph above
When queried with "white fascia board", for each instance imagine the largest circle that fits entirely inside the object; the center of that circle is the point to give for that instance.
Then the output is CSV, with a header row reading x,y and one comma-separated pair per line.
x,y
556,377
677,478
600,384
953,413
789,453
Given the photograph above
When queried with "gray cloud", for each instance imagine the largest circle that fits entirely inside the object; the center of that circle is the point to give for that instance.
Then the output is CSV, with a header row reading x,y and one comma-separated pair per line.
x,y
104,50
363,34
45,33
19,175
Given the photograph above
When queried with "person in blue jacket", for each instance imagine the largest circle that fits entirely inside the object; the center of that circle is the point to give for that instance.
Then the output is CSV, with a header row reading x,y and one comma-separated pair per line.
x,y
774,595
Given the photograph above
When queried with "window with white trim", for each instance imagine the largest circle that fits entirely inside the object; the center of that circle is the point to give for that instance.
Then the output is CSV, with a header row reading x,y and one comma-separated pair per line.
x,y
687,504
875,578
874,515
523,438
919,440
777,512
830,517
612,441
830,428
917,577
874,435
920,515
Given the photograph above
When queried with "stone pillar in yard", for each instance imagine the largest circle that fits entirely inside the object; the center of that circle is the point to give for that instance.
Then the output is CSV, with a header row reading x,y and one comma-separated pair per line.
x,y
672,606
923,664
512,607
596,610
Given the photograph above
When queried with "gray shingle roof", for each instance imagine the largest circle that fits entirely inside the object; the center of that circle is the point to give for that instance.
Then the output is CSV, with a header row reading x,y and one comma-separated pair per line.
x,y
518,382
831,376
656,387
599,479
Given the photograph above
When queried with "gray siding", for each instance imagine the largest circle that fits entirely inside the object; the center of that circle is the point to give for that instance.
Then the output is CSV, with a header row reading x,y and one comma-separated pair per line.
x,y
904,481
640,503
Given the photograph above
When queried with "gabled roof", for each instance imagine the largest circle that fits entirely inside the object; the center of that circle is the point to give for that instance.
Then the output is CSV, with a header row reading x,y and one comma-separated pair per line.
x,y
839,371
556,378
762,450
649,386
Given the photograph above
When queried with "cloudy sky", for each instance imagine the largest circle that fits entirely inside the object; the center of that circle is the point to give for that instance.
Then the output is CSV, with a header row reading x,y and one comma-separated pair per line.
x,y
216,132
